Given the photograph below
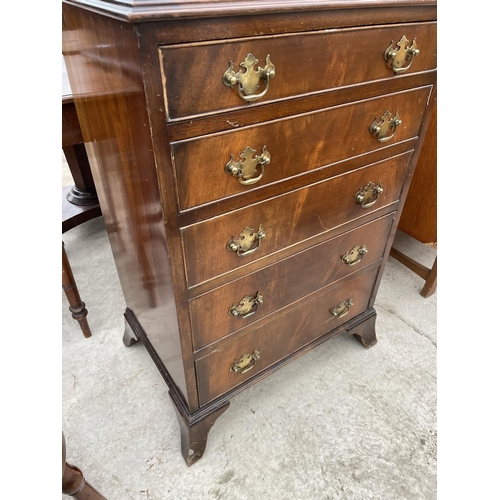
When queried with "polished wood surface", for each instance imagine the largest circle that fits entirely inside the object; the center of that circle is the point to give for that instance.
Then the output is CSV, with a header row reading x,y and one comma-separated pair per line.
x,y
193,87
71,132
147,10
317,138
170,209
365,332
270,111
283,333
286,281
419,217
288,219
194,435
103,68
74,215
79,201
268,191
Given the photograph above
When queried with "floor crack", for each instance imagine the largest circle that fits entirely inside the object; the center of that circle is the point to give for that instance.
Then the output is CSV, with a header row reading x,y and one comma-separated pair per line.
x,y
434,343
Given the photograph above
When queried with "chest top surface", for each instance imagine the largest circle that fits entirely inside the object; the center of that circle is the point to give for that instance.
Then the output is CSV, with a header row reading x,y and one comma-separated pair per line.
x,y
149,10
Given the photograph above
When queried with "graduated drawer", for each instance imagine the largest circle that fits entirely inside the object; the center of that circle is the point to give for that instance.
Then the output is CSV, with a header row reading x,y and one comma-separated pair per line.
x,y
287,219
303,63
295,145
224,310
283,333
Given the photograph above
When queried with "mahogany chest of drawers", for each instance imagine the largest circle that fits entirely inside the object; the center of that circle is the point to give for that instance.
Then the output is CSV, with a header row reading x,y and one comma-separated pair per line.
x,y
251,160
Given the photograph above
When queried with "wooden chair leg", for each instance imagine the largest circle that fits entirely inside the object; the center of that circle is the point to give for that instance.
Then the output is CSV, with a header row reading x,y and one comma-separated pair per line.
x,y
74,483
77,306
431,282
429,275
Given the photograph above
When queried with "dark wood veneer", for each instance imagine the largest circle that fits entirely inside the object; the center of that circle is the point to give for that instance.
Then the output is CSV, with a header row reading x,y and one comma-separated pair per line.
x,y
243,117
285,281
198,30
305,63
197,290
270,190
312,141
147,10
419,217
143,166
283,333
287,219
112,112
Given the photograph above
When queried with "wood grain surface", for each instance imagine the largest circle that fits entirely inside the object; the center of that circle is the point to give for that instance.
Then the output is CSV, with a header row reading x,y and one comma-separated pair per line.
x,y
282,333
147,10
288,219
159,126
102,60
305,63
285,281
419,217
296,145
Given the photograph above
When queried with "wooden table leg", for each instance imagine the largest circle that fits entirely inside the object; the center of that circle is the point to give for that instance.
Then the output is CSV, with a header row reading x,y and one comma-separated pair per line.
x,y
74,483
83,192
77,306
431,282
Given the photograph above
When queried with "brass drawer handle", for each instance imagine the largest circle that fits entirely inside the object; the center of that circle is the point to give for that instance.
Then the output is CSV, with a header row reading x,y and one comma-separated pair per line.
x,y
341,309
386,127
246,168
248,82
355,255
247,306
368,196
401,55
248,241
245,363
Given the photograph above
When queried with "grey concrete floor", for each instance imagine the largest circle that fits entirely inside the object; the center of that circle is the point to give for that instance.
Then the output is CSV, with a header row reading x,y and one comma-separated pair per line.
x,y
341,422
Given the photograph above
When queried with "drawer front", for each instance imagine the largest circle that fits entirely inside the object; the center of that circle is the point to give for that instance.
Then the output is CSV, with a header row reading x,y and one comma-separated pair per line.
x,y
283,333
287,219
224,310
294,145
302,63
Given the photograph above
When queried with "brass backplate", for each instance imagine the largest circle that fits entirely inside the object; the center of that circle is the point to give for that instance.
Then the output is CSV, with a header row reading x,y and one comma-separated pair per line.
x,y
247,306
403,54
247,242
246,167
248,81
355,255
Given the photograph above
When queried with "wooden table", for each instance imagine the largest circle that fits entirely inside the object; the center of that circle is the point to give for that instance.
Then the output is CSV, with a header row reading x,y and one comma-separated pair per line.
x,y
79,202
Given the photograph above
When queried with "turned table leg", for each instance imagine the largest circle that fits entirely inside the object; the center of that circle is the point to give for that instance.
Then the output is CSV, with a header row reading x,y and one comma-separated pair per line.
x,y
365,332
77,306
74,483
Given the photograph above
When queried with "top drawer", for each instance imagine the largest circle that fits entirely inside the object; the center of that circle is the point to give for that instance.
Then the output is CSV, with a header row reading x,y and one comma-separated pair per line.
x,y
302,63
